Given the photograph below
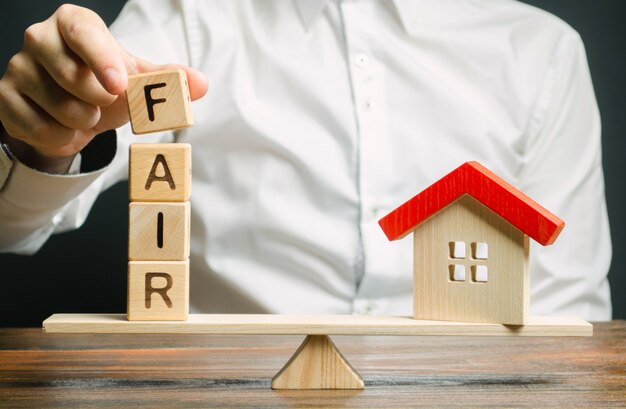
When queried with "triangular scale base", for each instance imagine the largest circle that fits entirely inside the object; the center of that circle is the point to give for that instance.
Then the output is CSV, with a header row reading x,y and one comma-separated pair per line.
x,y
317,364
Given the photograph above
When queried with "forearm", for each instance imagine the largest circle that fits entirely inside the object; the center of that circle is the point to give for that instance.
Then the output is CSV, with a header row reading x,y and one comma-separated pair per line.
x,y
34,204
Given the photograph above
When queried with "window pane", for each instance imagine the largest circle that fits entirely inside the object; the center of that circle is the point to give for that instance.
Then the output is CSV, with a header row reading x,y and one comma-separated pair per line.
x,y
457,272
481,250
480,273
457,249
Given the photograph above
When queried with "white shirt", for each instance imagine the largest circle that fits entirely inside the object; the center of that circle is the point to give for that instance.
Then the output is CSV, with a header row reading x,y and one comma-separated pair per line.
x,y
323,116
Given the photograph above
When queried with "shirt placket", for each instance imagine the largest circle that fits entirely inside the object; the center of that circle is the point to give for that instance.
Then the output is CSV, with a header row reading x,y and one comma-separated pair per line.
x,y
374,151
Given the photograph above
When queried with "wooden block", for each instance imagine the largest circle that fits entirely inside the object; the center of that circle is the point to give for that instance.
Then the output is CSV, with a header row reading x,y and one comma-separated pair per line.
x,y
158,101
158,231
279,324
489,283
158,290
317,364
159,172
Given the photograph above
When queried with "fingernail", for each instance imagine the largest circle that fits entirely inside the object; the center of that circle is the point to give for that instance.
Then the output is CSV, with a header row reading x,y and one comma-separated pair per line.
x,y
111,78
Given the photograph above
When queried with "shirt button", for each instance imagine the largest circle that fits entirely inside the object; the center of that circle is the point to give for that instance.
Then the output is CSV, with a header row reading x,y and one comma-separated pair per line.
x,y
361,60
58,218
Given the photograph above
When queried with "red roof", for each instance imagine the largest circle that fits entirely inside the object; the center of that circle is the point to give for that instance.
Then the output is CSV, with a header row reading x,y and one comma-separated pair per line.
x,y
474,179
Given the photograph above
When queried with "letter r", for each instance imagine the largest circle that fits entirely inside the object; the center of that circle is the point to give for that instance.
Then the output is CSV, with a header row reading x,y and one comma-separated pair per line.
x,y
161,291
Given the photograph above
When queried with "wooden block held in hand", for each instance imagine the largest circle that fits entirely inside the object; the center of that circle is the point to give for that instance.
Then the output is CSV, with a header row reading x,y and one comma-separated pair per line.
x,y
158,101
158,290
159,172
158,231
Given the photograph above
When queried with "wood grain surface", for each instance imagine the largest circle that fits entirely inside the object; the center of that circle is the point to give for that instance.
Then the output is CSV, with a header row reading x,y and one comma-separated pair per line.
x,y
149,241
159,172
165,300
504,298
286,324
188,371
158,101
317,364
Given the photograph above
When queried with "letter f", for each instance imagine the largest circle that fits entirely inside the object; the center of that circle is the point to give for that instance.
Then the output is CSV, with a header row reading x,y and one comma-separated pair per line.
x,y
151,102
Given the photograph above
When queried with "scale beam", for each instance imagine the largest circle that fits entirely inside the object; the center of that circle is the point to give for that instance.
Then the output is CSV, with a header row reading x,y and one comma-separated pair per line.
x,y
277,324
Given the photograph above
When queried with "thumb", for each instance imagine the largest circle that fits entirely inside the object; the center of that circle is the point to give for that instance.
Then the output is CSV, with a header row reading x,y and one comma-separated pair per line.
x,y
198,83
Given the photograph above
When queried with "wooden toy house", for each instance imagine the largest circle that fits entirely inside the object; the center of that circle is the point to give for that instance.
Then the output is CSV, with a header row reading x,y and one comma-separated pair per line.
x,y
471,246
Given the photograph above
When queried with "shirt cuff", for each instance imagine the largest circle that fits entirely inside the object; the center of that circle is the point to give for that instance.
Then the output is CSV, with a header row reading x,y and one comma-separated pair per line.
x,y
6,164
27,188
75,166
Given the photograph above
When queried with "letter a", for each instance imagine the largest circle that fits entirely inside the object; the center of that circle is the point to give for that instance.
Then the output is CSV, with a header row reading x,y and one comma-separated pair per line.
x,y
167,175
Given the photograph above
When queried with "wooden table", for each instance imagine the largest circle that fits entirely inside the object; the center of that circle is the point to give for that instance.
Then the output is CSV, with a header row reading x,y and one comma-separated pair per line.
x,y
189,370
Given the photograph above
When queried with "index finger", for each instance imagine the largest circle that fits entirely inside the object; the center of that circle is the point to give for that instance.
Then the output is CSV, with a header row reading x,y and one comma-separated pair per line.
x,y
86,35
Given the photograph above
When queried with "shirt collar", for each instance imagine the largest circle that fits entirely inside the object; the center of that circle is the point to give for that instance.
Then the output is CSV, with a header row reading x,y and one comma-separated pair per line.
x,y
310,10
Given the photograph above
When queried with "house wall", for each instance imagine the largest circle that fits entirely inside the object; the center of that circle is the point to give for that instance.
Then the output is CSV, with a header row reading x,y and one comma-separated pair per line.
x,y
504,298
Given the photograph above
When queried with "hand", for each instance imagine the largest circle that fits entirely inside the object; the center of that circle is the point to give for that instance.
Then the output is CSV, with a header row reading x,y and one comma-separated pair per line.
x,y
67,85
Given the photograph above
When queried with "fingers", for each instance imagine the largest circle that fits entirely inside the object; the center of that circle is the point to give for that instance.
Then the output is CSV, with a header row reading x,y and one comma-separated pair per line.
x,y
52,90
198,83
25,120
28,123
36,84
85,34
44,44
64,86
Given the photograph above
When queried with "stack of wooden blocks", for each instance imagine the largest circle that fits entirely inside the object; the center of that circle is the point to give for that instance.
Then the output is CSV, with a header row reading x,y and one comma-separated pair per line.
x,y
159,190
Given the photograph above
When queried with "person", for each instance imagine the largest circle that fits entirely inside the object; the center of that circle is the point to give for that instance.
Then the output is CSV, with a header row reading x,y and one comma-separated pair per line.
x,y
322,117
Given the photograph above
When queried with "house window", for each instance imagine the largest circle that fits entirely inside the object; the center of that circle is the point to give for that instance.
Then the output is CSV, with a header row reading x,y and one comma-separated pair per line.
x,y
480,250
457,249
457,272
480,273
476,263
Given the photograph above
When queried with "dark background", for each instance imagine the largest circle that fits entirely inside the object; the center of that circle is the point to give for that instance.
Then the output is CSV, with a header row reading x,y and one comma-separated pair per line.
x,y
85,270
